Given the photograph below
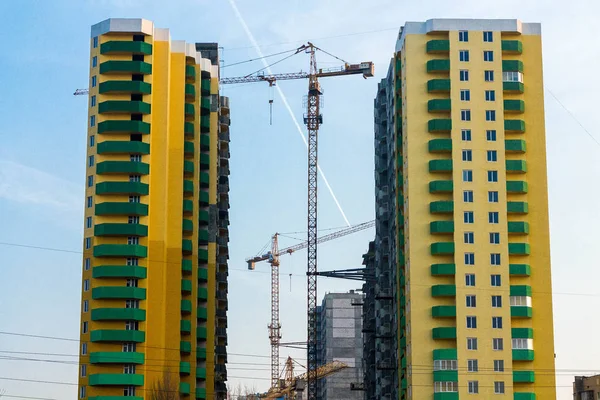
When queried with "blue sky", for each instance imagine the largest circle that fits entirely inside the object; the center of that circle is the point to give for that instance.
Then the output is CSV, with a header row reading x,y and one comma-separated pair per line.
x,y
44,58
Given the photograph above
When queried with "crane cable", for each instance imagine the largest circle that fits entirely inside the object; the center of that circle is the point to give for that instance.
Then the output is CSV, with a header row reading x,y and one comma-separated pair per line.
x,y
258,58
270,65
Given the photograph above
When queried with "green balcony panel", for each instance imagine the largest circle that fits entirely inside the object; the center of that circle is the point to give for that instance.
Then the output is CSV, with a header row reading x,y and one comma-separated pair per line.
x,y
445,376
521,312
201,373
204,160
512,46
443,291
117,208
518,228
188,167
189,110
440,146
514,106
119,271
204,179
516,166
190,72
186,246
444,333
124,87
116,380
522,355
445,354
202,313
524,396
512,65
519,249
513,87
122,167
520,290
443,269
116,357
203,293
184,368
188,149
438,66
438,85
203,198
515,146
124,106
203,255
205,103
440,166
126,67
514,125
125,47
203,217
190,90
517,187
120,230
120,250
442,125
186,306
200,353
441,227
113,335
118,292
188,206
444,396
187,226
522,333
127,188
201,332
443,311
517,207
186,266
123,147
186,286
205,123
200,393
205,87
185,347
202,274
438,46
204,142
440,187
124,127
519,269
439,105
185,326
441,207
523,377
118,314
442,248
184,388
203,235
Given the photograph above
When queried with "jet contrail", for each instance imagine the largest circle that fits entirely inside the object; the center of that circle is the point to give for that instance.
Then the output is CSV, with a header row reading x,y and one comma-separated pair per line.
x,y
285,102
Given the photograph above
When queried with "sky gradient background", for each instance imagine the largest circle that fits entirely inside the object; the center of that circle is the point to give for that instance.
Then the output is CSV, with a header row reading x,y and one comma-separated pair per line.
x,y
44,57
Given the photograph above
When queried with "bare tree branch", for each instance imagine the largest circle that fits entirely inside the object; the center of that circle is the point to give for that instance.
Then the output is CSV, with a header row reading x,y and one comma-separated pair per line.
x,y
165,388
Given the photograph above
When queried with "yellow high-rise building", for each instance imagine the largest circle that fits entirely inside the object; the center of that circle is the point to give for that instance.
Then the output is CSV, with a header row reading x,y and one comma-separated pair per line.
x,y
463,233
154,296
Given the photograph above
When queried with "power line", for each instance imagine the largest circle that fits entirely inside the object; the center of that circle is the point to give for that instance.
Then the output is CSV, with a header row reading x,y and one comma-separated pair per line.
x,y
258,58
573,116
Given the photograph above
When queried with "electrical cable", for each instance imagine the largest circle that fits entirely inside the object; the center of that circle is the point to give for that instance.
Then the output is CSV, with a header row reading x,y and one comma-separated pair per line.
x,y
258,58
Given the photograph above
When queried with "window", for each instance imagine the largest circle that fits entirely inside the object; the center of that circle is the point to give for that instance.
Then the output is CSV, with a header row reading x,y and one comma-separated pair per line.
x,y
488,55
468,217
468,196
86,265
88,243
82,392
472,366
488,76
86,285
133,219
135,157
521,344
471,301
497,322
90,182
470,279
466,135
467,175
473,387
134,178
471,322
86,306
129,369
94,61
512,76
469,237
469,258
134,199
90,202
498,365
487,36
471,343
445,365
463,36
490,115
95,41
90,161
93,101
88,222
467,155
496,280
445,387
92,140
492,176
94,81
132,283
131,325
497,301
520,301
84,327
463,55
490,95
465,95
494,238
498,344
132,261
493,217
83,349
83,370
465,115
491,135
495,259
499,387
464,75
492,197
132,304
129,391
133,240
129,347
492,155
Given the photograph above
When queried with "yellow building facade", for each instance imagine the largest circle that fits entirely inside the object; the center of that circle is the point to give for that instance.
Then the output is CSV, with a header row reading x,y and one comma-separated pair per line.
x,y
474,284
154,294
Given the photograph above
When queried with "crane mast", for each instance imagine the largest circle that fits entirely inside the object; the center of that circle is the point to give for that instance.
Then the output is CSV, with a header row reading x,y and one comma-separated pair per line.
x,y
275,325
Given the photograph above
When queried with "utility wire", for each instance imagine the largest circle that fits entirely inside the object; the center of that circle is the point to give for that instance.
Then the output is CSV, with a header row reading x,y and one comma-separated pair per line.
x,y
270,65
573,116
258,58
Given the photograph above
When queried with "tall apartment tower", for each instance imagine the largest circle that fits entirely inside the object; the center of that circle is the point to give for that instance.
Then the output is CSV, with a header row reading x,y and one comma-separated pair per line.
x,y
154,294
340,339
462,234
